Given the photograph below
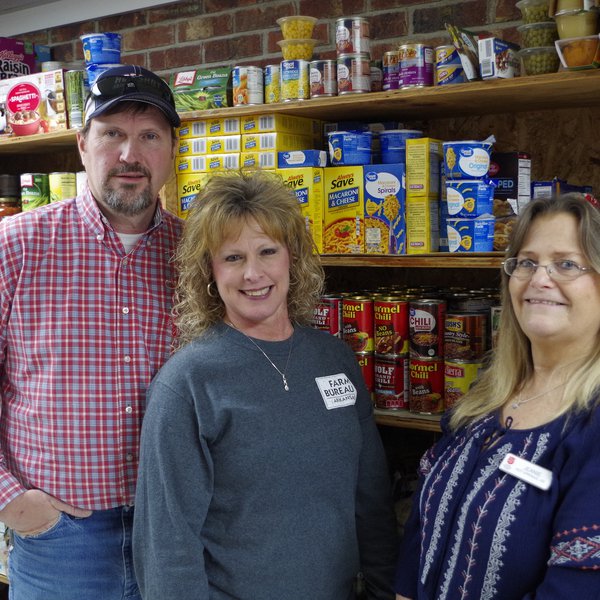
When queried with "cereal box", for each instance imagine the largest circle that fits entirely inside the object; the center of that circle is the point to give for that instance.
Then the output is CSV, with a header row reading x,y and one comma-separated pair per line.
x,y
16,58
385,209
344,224
423,156
422,225
188,185
307,184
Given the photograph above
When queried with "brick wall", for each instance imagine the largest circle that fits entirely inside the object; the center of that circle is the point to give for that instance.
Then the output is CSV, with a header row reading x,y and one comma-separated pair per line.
x,y
201,33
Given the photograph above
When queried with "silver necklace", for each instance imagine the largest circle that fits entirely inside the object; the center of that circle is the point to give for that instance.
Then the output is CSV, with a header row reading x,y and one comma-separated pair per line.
x,y
518,402
286,387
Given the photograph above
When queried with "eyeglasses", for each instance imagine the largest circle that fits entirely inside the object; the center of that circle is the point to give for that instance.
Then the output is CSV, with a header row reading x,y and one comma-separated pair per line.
x,y
558,270
120,85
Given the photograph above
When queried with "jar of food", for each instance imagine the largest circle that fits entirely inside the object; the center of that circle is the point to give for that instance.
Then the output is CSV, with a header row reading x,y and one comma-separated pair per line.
x,y
9,206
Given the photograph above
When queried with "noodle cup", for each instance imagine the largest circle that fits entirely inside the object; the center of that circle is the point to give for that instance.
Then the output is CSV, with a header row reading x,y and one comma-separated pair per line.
x,y
297,27
297,49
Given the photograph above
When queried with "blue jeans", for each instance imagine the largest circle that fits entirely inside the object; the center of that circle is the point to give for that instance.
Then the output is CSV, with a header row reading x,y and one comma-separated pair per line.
x,y
76,559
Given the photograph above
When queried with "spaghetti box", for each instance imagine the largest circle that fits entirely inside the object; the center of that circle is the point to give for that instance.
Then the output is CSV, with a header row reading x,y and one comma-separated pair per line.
x,y
302,158
201,89
498,59
471,235
16,58
511,173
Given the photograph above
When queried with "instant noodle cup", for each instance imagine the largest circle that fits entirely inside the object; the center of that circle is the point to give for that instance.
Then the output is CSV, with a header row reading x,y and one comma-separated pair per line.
x,y
101,48
296,27
466,159
297,49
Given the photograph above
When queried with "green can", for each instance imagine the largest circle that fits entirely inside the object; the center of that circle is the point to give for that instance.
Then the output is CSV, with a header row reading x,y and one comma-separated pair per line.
x,y
75,97
35,190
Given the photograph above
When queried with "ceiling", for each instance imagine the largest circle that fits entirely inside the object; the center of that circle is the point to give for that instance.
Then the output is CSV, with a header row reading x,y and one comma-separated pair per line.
x,y
7,6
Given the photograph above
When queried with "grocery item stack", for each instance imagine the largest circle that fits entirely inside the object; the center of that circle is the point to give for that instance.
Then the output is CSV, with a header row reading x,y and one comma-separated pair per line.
x,y
577,22
538,34
101,52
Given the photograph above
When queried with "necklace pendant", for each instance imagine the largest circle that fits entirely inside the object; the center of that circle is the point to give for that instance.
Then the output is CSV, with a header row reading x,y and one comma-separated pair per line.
x,y
515,405
285,383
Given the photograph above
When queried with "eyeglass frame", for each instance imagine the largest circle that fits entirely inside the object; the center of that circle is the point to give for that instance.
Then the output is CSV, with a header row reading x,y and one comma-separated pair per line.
x,y
156,87
550,269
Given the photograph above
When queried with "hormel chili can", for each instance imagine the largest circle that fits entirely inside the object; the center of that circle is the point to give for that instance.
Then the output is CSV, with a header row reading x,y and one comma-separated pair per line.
x,y
327,315
465,336
357,322
458,378
390,315
366,363
426,319
391,382
426,382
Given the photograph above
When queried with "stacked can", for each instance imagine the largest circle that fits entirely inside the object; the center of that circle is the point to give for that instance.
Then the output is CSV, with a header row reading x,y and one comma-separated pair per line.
x,y
426,366
248,86
323,78
391,339
448,68
390,69
352,43
358,333
327,315
272,80
415,66
465,344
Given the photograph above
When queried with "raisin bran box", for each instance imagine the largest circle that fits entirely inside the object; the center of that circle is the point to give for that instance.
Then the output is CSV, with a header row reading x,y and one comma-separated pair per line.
x,y
16,58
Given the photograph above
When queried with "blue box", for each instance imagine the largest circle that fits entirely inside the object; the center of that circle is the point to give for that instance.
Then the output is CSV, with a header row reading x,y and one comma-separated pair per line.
x,y
471,235
301,158
469,197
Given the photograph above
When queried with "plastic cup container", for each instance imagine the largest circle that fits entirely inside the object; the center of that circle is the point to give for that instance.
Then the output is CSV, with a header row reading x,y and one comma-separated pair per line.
x,y
576,23
296,27
101,48
579,53
297,49
537,61
534,11
535,35
93,71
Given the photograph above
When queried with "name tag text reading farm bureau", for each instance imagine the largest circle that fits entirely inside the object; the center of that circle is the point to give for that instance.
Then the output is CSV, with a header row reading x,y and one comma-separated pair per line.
x,y
336,390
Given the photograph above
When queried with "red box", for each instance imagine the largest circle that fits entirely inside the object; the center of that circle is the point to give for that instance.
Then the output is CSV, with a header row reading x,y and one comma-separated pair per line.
x,y
16,58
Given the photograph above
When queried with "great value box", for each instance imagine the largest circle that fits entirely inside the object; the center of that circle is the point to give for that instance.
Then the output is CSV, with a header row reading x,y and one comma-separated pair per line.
x,y
422,225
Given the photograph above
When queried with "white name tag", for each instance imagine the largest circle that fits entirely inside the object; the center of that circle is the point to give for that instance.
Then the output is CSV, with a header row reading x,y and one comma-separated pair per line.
x,y
527,471
336,390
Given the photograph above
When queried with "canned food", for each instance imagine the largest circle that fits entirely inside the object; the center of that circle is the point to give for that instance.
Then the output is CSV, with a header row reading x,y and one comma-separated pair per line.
x,y
295,80
391,382
376,76
353,74
75,84
357,322
465,336
426,385
35,190
390,69
352,36
272,84
446,55
327,315
390,315
415,66
247,85
458,378
365,360
495,312
323,78
449,74
426,325
62,186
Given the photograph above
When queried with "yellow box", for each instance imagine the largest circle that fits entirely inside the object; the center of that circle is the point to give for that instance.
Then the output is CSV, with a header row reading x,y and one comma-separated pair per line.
x,y
223,126
222,144
422,225
259,160
344,223
258,142
307,184
206,163
191,129
423,156
192,146
188,185
282,123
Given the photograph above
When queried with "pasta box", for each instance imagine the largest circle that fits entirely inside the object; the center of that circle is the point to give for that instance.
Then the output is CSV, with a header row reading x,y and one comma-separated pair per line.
x,y
471,235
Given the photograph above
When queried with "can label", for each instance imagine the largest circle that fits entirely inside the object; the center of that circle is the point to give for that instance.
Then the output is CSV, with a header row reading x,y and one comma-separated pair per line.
x,y
458,378
495,313
327,315
465,336
365,360
426,326
323,78
247,85
391,326
390,70
391,382
75,84
426,385
35,190
415,66
357,323
446,55
352,36
376,76
272,84
450,74
353,74
62,186
295,80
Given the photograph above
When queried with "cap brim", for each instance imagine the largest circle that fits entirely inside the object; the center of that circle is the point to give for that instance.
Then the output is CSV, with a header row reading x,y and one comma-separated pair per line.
x,y
98,108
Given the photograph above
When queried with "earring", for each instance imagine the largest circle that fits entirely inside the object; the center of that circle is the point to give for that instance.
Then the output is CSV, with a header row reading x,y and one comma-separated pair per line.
x,y
209,289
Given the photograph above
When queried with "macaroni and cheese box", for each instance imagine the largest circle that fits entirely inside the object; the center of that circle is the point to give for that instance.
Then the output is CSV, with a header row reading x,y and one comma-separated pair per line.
x,y
307,184
222,144
385,208
259,160
188,185
192,129
344,223
423,157
223,126
270,122
206,163
258,142
422,225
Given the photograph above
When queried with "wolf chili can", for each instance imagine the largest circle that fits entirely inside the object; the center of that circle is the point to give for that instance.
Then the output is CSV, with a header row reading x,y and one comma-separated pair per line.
x,y
352,36
391,385
458,377
426,319
426,383
465,336
366,363
327,315
357,323
353,74
390,315
323,78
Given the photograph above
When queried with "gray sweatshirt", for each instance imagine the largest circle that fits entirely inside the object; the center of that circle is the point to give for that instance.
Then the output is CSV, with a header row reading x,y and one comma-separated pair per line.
x,y
250,492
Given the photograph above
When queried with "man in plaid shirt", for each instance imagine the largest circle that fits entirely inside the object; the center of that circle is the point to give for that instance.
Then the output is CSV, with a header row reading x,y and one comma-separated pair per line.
x,y
85,297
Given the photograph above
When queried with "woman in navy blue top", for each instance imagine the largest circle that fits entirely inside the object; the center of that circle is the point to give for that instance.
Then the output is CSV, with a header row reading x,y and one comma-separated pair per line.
x,y
509,501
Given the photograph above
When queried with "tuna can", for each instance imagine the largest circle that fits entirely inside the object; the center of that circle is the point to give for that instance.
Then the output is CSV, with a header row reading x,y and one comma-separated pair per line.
x,y
295,80
391,382
75,84
62,186
450,74
447,55
352,36
426,327
415,66
327,315
465,336
390,315
323,78
353,74
458,378
272,84
376,76
357,323
35,190
247,83
390,69
366,362
426,385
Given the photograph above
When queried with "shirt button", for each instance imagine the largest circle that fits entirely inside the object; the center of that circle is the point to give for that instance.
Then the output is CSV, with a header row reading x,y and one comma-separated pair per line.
x,y
127,359
129,409
129,457
125,310
99,237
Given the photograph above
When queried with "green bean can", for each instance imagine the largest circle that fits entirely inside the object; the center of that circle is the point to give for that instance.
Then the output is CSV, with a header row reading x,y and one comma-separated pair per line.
x,y
75,97
62,186
35,190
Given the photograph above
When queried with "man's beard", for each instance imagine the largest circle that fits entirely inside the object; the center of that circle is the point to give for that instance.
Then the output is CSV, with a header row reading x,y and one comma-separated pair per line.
x,y
122,201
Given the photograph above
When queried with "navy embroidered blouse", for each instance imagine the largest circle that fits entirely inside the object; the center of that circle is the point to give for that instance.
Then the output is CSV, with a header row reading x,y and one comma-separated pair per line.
x,y
478,533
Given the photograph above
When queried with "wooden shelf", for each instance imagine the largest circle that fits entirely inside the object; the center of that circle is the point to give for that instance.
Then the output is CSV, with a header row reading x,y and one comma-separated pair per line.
x,y
407,420
40,143
3,579
438,260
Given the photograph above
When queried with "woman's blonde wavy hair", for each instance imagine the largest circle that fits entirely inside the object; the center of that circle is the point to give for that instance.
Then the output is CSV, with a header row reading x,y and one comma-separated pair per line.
x,y
218,212
511,362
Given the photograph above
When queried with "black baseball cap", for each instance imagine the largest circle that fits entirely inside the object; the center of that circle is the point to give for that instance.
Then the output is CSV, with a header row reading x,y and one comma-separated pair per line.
x,y
130,83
